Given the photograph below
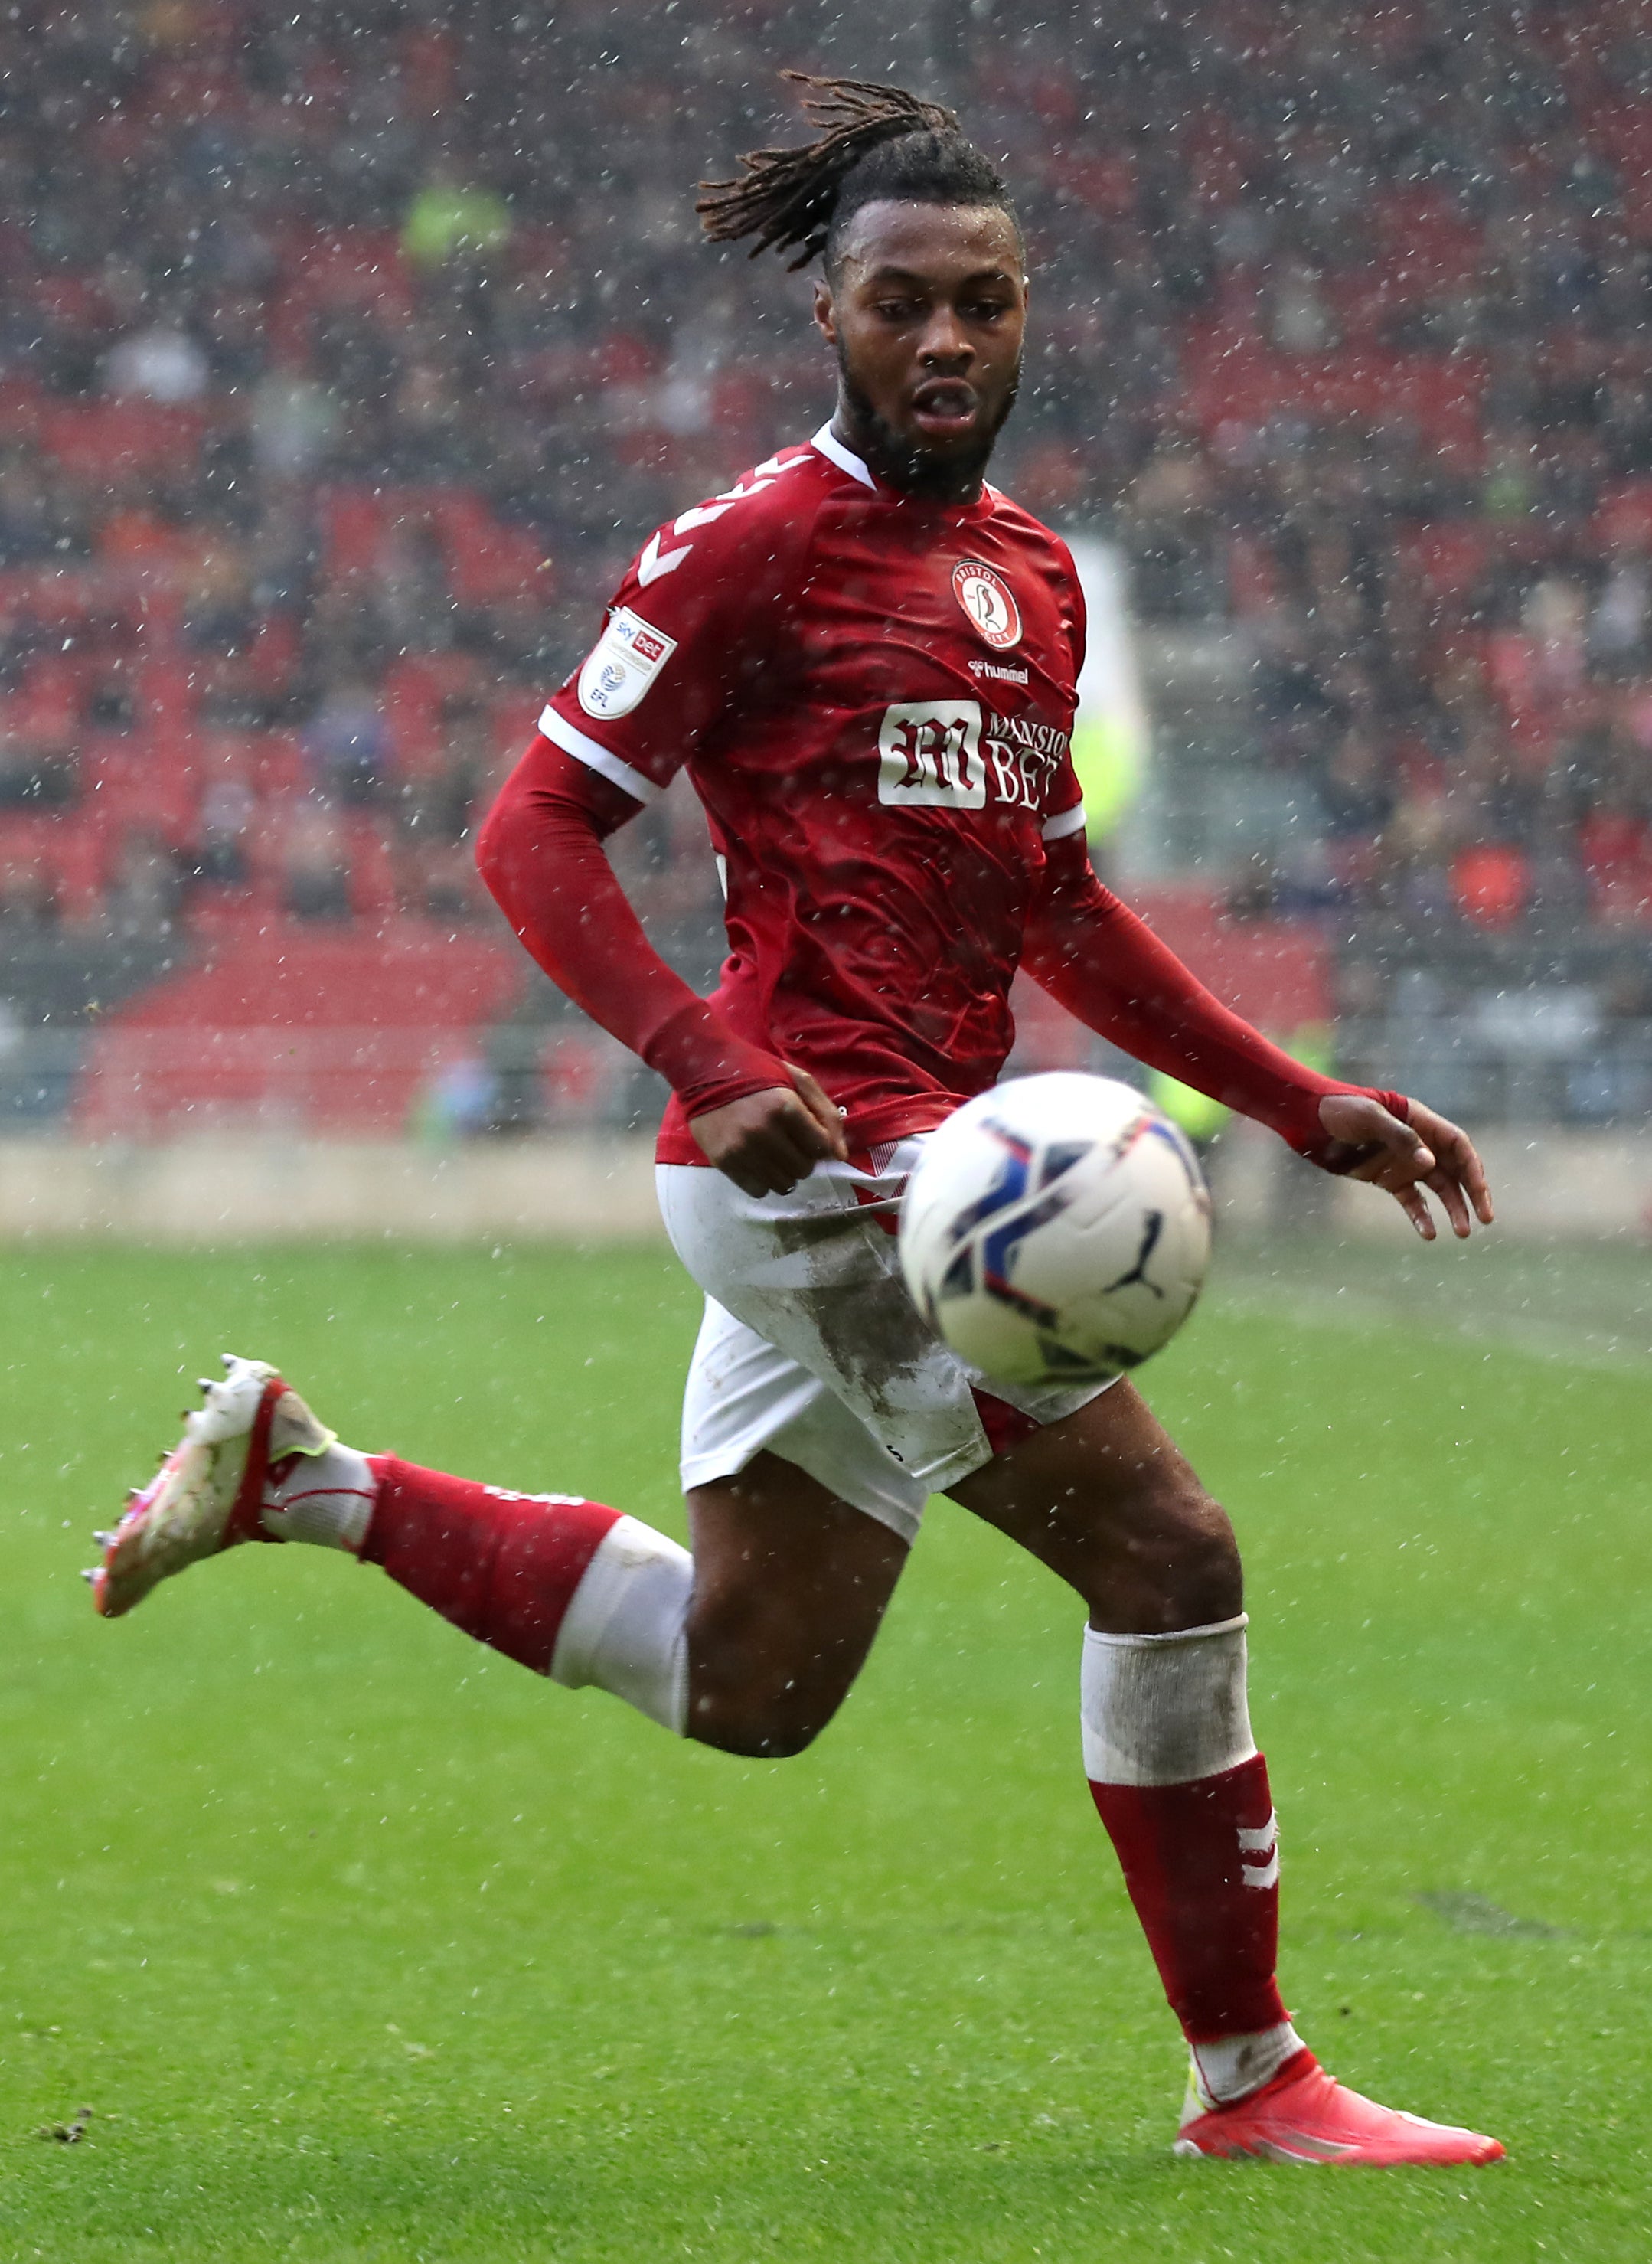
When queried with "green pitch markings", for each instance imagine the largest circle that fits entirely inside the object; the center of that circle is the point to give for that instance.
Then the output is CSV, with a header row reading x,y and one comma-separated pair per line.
x,y
323,1935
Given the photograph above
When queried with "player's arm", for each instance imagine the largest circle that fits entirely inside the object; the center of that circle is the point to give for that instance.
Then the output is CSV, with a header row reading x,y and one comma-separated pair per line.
x,y
540,852
1107,966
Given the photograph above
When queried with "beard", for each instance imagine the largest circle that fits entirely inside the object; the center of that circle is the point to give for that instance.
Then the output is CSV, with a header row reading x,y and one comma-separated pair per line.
x,y
906,464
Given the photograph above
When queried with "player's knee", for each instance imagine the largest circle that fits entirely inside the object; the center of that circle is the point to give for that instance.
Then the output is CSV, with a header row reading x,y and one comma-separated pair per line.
x,y
1189,1552
762,1725
776,1734
756,1685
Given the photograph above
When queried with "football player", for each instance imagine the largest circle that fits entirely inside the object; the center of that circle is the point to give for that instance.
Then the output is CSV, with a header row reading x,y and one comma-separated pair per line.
x,y
866,658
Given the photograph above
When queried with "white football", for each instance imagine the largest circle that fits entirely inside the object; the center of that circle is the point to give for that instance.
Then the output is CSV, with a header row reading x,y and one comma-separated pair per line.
x,y
1056,1230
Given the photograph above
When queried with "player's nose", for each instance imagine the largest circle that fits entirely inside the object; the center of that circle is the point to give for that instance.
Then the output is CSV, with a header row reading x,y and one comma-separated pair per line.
x,y
945,343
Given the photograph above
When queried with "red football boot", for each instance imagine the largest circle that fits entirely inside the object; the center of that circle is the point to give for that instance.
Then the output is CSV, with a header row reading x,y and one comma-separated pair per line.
x,y
1305,2115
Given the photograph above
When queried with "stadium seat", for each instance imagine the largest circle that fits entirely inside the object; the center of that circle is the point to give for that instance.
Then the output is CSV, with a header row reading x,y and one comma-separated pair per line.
x,y
1448,559
1623,516
1491,882
107,440
353,522
373,890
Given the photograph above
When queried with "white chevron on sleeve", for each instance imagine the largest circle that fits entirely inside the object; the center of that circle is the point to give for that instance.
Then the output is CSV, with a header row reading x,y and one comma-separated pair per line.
x,y
651,565
702,515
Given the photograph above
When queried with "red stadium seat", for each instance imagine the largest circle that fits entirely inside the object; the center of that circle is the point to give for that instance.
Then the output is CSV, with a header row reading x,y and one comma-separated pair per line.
x,y
353,522
109,440
168,696
1103,180
278,651
1623,516
415,688
372,891
30,834
81,864
1449,559
359,268
489,561
1616,848
1492,883
279,764
21,402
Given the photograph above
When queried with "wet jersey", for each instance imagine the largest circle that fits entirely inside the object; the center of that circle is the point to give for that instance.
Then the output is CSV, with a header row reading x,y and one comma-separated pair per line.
x,y
874,698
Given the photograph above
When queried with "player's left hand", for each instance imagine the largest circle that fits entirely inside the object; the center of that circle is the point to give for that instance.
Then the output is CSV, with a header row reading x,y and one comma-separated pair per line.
x,y
1429,1151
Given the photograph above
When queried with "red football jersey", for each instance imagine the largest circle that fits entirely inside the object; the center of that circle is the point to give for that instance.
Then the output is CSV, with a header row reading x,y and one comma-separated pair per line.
x,y
874,697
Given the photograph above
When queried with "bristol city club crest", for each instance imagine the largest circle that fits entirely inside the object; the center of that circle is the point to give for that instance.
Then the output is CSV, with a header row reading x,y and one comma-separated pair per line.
x,y
986,599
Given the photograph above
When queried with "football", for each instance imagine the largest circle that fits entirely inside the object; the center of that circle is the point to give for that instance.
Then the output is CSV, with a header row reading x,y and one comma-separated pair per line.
x,y
1056,1230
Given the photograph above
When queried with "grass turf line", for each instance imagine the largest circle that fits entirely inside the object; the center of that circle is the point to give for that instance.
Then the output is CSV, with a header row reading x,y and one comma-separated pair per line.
x,y
361,1944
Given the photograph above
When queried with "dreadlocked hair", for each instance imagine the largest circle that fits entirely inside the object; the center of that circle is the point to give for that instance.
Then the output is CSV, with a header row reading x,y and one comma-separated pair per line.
x,y
874,142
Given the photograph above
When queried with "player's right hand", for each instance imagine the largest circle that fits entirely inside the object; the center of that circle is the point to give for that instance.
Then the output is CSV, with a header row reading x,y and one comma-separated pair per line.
x,y
766,1142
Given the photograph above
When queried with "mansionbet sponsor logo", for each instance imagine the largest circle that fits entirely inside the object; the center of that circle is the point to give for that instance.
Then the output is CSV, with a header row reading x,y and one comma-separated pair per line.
x,y
928,755
944,754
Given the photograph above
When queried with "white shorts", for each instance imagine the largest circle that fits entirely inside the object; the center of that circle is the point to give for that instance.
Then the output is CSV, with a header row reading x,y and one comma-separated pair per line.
x,y
812,1348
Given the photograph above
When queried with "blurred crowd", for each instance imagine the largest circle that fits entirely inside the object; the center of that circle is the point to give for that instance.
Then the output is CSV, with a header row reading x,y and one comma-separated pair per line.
x,y
345,355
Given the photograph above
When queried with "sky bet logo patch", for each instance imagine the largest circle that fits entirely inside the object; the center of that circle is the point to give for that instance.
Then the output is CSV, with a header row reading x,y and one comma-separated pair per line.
x,y
624,662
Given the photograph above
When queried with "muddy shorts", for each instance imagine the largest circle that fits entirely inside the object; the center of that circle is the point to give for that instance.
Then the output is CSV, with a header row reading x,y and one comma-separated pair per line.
x,y
811,1348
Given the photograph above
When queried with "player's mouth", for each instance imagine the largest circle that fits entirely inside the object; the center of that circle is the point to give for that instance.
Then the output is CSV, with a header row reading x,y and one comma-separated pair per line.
x,y
944,408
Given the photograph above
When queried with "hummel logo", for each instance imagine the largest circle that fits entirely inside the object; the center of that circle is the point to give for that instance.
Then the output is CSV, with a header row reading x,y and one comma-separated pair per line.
x,y
655,562
1262,1840
651,565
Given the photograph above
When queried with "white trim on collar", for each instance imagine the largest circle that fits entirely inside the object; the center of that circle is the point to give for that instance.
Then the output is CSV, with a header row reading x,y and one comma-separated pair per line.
x,y
833,449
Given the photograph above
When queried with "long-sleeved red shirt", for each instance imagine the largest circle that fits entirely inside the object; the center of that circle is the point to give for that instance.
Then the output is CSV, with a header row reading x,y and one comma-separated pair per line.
x,y
541,853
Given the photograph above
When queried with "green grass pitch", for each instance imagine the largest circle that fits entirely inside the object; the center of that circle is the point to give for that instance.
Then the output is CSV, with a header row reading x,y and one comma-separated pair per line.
x,y
358,1943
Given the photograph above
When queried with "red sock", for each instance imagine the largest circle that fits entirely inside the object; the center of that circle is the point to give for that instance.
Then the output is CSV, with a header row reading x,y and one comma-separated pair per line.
x,y
1202,1869
502,1566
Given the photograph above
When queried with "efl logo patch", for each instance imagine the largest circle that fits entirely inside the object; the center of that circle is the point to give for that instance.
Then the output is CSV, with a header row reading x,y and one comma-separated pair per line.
x,y
624,662
930,757
986,599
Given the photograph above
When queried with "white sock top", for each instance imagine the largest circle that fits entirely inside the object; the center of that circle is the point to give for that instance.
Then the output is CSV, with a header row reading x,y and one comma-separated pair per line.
x,y
1164,1708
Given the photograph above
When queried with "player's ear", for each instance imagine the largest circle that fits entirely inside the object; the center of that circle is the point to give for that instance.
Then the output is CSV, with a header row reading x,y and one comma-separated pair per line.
x,y
825,320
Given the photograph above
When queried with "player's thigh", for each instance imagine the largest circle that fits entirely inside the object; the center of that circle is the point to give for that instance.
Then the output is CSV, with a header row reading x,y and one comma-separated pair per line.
x,y
1105,1499
790,1586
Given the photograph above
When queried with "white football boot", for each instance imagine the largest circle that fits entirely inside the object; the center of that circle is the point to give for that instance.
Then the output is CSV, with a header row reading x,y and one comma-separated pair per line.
x,y
208,1491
